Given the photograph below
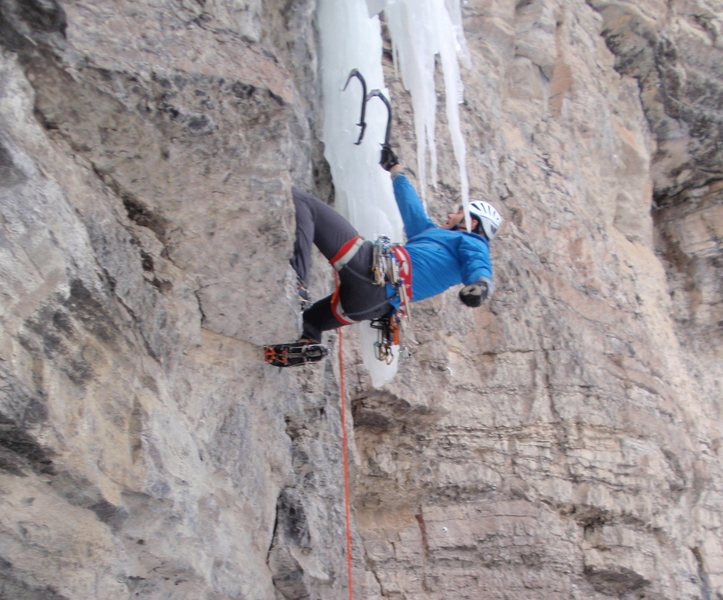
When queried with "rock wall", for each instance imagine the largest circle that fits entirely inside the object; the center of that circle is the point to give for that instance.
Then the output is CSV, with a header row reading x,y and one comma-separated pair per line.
x,y
563,442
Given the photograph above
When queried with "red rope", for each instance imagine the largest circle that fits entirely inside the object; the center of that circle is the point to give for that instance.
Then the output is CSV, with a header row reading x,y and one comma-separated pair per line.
x,y
345,461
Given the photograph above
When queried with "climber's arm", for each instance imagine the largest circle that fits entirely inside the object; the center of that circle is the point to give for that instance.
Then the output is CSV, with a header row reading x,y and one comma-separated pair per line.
x,y
410,206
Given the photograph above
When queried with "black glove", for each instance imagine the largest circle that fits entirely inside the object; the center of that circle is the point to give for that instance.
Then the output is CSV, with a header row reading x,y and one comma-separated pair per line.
x,y
388,158
474,295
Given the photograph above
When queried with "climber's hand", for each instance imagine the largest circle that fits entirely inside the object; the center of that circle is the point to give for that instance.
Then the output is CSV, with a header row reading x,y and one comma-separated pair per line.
x,y
388,158
475,294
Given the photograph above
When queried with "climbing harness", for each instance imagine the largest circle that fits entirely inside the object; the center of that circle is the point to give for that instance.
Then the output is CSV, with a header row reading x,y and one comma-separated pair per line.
x,y
346,253
390,265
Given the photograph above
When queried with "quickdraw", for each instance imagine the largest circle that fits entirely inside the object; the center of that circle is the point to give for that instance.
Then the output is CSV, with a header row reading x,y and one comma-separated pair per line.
x,y
386,269
389,335
383,265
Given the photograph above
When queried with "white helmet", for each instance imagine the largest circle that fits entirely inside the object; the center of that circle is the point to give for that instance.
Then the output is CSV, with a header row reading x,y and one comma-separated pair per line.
x,y
487,215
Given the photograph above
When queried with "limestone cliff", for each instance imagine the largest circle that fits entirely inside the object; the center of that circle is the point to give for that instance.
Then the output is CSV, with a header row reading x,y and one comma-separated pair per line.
x,y
562,442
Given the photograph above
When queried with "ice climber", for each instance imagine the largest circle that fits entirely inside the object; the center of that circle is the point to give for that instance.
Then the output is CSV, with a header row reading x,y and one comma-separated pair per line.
x,y
433,259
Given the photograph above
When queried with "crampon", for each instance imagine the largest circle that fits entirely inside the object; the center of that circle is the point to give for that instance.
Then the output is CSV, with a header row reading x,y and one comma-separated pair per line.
x,y
294,354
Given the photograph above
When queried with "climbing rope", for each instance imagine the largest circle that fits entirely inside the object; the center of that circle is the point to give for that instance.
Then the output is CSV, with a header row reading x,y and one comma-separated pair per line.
x,y
345,461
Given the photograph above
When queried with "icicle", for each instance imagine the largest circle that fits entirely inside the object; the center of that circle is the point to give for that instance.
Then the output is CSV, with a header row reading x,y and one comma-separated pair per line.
x,y
421,30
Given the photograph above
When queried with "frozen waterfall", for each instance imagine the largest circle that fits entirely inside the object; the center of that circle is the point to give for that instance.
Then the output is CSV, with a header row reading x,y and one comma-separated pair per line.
x,y
351,37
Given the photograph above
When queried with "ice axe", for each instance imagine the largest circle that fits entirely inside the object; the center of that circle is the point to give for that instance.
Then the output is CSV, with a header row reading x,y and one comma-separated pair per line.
x,y
379,94
362,123
388,159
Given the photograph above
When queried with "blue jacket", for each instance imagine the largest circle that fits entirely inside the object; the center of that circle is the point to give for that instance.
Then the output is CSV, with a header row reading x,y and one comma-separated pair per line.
x,y
440,257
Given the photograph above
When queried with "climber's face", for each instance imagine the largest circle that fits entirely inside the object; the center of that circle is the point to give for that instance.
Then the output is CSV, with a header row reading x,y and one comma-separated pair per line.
x,y
455,220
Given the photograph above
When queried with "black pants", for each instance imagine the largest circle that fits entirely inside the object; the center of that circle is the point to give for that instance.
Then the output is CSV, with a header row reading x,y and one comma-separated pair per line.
x,y
357,297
